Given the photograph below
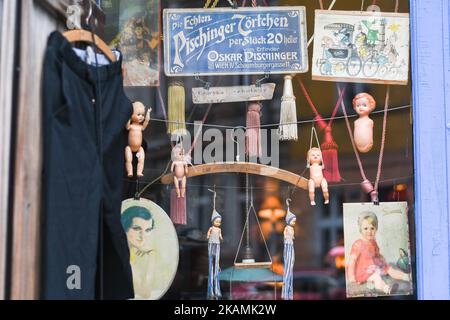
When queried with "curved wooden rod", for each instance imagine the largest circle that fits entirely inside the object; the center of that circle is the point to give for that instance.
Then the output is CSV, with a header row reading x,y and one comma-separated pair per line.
x,y
243,167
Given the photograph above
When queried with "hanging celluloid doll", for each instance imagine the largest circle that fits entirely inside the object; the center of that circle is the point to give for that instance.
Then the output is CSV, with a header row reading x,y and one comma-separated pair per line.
x,y
316,178
288,256
135,126
180,170
364,104
214,237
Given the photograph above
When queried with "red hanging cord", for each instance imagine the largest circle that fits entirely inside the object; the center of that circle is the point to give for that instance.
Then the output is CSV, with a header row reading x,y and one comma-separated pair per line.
x,y
322,124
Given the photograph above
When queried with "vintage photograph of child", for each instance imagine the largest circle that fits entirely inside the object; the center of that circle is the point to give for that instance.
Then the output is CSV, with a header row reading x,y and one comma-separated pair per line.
x,y
377,254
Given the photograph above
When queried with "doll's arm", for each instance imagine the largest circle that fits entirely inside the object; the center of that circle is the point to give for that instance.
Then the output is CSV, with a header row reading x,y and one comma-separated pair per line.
x,y
147,119
128,126
220,235
172,166
186,169
209,233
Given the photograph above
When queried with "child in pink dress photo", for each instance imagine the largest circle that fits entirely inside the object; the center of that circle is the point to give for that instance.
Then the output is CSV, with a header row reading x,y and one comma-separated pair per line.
x,y
366,264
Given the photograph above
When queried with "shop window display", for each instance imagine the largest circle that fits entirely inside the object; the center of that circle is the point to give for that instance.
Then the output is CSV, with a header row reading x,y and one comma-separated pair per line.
x,y
339,163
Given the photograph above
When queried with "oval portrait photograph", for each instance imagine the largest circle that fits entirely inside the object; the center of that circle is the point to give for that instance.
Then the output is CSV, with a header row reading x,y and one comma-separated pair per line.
x,y
153,244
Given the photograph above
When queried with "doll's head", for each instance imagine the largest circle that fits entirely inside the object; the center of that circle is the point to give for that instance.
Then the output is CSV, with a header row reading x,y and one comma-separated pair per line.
x,y
290,218
314,156
138,112
364,104
178,153
216,219
368,225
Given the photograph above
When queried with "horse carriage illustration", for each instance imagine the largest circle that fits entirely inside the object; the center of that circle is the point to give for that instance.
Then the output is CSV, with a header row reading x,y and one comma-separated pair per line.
x,y
368,52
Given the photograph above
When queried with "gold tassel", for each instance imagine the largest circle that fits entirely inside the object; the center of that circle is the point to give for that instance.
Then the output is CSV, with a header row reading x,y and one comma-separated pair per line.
x,y
288,116
176,102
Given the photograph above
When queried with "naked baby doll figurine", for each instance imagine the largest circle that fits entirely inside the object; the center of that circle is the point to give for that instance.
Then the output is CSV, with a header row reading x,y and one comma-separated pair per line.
x,y
135,126
364,104
180,170
316,178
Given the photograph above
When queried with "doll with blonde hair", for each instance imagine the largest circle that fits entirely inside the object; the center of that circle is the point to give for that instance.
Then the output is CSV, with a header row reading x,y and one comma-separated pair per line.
x,y
180,170
316,178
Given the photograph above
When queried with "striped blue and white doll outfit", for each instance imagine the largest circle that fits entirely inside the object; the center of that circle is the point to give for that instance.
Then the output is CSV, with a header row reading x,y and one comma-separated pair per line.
x,y
288,258
214,258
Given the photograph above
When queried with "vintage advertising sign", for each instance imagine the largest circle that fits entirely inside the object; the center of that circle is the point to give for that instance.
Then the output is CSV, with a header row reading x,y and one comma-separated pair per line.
x,y
377,249
233,94
354,46
235,41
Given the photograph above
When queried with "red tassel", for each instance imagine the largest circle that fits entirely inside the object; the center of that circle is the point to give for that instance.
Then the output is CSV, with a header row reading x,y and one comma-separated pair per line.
x,y
330,157
253,133
177,208
320,122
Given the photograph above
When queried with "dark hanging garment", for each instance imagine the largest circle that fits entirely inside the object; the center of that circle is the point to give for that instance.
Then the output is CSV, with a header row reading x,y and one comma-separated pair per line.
x,y
84,143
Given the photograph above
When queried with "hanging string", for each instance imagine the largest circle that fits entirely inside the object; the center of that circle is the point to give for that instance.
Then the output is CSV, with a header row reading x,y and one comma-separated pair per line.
x,y
260,229
277,124
155,180
362,5
383,138
314,133
321,4
329,8
349,128
314,108
163,107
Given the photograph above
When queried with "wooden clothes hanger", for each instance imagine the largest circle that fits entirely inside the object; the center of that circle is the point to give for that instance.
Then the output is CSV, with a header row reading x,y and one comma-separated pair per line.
x,y
80,35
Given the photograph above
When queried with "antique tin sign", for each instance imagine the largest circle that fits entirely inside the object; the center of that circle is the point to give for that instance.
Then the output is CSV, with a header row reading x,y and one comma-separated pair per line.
x,y
235,41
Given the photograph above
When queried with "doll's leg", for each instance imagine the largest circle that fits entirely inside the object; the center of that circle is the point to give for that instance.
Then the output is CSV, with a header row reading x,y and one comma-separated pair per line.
x,y
379,283
177,186
398,274
183,187
141,160
312,189
326,195
129,161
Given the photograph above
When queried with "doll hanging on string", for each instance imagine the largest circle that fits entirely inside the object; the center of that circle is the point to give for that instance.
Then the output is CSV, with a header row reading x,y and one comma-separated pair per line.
x,y
364,104
316,179
135,126
214,237
179,169
288,255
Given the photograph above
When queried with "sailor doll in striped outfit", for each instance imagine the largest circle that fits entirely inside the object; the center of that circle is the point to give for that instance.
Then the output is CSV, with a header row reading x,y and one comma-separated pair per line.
x,y
214,237
289,255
